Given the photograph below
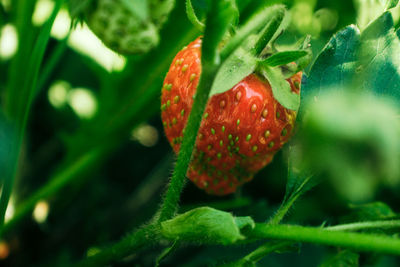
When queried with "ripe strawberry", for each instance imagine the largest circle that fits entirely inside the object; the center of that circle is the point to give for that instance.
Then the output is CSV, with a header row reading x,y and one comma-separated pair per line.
x,y
121,29
241,129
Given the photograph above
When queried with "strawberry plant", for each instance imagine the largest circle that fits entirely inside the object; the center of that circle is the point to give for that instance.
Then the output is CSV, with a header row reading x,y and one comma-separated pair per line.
x,y
284,116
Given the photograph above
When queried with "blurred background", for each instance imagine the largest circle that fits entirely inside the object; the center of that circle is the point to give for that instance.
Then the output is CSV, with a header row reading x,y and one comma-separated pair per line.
x,y
95,123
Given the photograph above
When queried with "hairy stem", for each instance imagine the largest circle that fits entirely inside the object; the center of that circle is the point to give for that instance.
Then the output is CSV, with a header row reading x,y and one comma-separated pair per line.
x,y
140,239
175,187
355,241
283,210
390,224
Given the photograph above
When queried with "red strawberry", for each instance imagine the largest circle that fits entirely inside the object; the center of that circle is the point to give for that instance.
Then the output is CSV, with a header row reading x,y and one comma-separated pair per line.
x,y
241,130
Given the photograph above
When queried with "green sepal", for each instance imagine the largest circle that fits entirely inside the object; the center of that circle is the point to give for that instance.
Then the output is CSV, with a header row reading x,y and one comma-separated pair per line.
x,y
280,87
207,226
239,65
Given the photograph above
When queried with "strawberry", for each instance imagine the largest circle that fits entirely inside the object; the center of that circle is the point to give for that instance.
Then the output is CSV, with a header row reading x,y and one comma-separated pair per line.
x,y
119,27
241,130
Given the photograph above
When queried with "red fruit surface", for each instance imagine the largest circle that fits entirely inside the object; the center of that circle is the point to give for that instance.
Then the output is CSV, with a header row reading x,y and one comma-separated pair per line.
x,y
241,129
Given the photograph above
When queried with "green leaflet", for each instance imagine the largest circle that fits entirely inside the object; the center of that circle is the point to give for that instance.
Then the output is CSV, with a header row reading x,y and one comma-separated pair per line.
x,y
239,65
281,88
206,224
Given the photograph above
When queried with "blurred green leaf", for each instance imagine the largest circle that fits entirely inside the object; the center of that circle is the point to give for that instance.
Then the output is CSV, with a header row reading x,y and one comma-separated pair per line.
x,y
369,212
391,3
206,225
353,137
344,258
379,68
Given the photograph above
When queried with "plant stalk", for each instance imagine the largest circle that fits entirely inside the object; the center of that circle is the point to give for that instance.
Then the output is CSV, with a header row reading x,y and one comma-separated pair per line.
x,y
355,241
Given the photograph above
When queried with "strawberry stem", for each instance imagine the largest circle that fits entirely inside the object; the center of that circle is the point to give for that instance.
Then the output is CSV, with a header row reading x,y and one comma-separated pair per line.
x,y
270,31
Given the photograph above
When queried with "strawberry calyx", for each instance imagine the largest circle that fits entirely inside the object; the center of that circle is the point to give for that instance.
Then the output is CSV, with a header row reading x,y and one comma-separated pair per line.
x,y
259,55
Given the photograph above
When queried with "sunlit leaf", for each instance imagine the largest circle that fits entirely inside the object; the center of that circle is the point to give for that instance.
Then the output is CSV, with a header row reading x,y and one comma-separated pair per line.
x,y
379,58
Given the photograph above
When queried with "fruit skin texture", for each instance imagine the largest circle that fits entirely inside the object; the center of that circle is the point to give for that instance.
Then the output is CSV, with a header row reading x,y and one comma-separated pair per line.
x,y
121,30
241,130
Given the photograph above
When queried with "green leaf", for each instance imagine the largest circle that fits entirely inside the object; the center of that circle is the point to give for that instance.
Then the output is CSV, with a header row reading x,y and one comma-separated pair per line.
x,y
285,57
205,225
138,8
335,66
219,19
364,144
281,88
344,258
379,58
370,212
191,14
239,65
